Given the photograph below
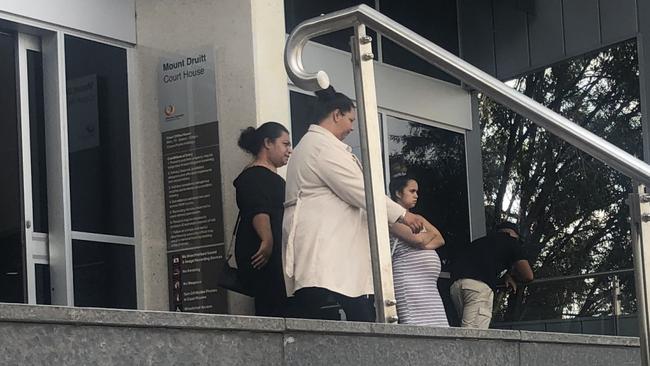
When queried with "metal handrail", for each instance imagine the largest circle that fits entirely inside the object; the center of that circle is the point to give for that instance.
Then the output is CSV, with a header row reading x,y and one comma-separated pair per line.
x,y
539,281
462,70
582,276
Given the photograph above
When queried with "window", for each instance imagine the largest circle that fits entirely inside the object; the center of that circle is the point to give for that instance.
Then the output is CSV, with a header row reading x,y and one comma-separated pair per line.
x,y
101,196
11,222
98,138
104,275
37,143
43,289
570,207
436,158
301,112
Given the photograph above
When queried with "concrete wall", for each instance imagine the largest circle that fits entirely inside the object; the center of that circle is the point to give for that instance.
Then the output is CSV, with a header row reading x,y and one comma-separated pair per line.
x,y
251,89
74,336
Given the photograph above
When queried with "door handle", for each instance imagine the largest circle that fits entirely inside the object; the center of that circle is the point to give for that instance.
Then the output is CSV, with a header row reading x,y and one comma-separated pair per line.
x,y
28,224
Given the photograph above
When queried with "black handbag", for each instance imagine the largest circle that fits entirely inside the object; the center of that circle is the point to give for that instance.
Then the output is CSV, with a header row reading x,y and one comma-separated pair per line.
x,y
229,276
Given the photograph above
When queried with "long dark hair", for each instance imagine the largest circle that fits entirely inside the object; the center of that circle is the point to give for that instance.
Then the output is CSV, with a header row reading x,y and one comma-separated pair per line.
x,y
397,184
251,140
328,101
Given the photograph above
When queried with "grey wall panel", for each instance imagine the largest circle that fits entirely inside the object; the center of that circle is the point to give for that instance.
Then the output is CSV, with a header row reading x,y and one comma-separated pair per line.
x,y
511,38
476,33
527,37
618,20
581,26
546,34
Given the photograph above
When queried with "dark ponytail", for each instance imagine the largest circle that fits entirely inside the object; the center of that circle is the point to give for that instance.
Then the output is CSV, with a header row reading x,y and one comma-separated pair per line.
x,y
251,140
328,101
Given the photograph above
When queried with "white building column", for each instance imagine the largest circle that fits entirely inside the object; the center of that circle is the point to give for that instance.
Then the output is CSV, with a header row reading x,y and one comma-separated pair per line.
x,y
251,89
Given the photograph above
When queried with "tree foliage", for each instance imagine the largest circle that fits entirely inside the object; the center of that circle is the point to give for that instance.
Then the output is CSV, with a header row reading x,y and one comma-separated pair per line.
x,y
571,208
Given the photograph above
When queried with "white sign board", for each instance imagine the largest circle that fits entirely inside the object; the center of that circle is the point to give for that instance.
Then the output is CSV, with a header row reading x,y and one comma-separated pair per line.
x,y
187,89
83,113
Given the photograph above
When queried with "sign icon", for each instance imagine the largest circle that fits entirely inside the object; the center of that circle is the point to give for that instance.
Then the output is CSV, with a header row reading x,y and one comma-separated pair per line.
x,y
170,109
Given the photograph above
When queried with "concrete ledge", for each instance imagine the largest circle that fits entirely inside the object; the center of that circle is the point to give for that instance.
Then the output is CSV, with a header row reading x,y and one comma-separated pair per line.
x,y
72,336
131,318
566,338
331,327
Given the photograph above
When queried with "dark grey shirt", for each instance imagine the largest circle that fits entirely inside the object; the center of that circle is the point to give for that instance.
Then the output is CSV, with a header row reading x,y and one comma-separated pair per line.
x,y
485,258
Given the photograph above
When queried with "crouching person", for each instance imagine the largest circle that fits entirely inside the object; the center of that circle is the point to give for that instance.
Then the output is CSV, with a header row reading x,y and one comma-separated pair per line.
x,y
476,269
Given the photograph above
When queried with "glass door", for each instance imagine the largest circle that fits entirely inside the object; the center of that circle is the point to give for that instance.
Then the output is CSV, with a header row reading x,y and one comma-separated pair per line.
x,y
34,181
436,158
23,197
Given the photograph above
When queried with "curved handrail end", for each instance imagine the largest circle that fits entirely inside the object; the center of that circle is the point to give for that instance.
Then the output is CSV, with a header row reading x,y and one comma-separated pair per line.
x,y
307,30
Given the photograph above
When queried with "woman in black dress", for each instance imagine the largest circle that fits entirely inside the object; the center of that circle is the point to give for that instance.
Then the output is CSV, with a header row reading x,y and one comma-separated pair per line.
x,y
260,198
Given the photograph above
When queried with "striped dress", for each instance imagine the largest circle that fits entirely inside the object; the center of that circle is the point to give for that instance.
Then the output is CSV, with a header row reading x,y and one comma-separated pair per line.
x,y
415,277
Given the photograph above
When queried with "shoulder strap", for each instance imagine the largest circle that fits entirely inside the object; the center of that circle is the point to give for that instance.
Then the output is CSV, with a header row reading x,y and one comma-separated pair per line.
x,y
231,248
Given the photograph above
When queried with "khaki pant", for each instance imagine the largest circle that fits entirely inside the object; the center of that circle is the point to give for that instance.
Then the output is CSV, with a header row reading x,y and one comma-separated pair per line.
x,y
473,301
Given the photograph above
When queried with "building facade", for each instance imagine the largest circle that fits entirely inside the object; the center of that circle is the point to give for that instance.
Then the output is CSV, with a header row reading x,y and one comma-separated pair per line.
x,y
85,191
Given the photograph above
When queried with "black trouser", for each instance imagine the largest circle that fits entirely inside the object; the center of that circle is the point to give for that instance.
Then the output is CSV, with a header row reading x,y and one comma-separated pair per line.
x,y
318,303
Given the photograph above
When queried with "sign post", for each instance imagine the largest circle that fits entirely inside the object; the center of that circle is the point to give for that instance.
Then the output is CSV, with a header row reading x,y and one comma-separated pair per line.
x,y
192,181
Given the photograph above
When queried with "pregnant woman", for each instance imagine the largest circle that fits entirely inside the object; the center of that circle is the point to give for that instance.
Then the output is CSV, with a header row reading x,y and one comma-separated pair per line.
x,y
416,265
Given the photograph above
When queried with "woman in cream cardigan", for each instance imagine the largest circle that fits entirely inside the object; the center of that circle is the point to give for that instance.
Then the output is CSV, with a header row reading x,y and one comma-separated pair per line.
x,y
326,252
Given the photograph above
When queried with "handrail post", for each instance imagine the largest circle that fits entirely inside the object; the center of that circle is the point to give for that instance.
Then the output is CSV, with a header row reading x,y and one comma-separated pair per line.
x,y
640,232
373,177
